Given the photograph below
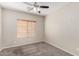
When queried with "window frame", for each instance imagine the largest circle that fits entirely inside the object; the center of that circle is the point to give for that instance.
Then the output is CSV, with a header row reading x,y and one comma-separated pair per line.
x,y
27,35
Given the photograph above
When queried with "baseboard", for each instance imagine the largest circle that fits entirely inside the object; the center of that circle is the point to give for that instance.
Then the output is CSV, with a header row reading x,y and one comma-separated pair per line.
x,y
21,45
60,48
38,42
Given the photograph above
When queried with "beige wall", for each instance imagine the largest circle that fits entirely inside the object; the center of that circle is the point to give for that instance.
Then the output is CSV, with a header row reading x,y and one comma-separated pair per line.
x,y
0,28
62,28
9,28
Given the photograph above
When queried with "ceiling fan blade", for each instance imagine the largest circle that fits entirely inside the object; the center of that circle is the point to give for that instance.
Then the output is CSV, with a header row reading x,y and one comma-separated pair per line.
x,y
30,9
28,3
44,6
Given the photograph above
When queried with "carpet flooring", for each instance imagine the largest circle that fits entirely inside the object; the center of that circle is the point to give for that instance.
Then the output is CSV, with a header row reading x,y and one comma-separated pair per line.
x,y
37,49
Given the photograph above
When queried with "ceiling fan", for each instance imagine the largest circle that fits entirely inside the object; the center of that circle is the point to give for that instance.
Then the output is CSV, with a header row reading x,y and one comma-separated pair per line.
x,y
36,7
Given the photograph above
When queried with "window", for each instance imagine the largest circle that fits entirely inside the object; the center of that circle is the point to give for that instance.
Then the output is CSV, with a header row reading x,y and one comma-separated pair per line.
x,y
25,28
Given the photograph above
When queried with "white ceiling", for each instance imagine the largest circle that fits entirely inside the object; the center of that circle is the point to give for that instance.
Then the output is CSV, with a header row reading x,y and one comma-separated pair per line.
x,y
20,6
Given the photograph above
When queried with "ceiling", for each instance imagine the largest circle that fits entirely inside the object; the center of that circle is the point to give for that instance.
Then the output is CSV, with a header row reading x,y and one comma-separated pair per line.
x,y
20,6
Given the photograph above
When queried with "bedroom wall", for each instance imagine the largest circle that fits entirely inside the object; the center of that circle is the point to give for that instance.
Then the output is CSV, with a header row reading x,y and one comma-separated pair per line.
x,y
62,28
9,28
0,27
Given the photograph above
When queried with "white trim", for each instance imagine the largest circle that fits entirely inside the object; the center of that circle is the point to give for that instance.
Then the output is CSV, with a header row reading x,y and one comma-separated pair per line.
x,y
21,45
60,48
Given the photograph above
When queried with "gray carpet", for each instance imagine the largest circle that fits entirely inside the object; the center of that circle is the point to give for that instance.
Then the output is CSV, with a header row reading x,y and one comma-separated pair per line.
x,y
37,49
